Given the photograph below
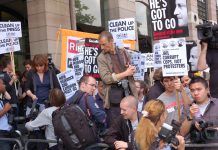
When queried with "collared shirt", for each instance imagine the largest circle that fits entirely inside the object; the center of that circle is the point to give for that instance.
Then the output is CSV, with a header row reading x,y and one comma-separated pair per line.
x,y
140,104
4,119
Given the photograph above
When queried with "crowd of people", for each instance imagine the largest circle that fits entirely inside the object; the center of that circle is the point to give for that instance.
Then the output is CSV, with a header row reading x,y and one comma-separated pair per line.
x,y
128,113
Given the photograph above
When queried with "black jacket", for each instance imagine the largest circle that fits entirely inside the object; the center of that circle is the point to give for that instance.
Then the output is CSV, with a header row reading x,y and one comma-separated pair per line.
x,y
120,131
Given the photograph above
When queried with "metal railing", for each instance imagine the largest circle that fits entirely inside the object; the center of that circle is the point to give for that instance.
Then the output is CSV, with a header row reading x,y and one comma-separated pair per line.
x,y
37,141
20,146
209,145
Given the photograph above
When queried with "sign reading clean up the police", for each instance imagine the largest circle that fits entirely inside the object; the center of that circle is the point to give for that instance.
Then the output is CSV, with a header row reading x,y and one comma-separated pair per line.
x,y
10,29
169,18
174,61
8,45
68,83
122,29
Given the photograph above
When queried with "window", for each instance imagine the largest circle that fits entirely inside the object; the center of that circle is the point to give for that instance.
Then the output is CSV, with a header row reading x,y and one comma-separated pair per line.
x,y
143,22
90,15
202,10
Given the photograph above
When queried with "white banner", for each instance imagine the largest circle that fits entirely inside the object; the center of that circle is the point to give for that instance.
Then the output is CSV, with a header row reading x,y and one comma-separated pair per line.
x,y
9,45
149,60
157,55
10,29
68,83
122,29
174,58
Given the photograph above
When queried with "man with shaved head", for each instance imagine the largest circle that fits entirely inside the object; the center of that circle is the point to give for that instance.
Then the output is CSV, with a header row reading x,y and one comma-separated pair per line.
x,y
121,133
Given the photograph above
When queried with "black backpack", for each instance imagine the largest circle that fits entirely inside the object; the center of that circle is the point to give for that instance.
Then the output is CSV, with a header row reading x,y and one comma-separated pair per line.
x,y
73,126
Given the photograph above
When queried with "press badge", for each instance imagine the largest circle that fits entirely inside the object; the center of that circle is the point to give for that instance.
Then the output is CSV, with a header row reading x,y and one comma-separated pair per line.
x,y
172,109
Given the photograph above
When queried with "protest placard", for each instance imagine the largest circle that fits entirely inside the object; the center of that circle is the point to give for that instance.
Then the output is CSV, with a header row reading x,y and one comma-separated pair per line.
x,y
174,61
135,60
149,60
167,21
157,55
77,64
10,29
91,51
68,83
122,29
8,45
143,63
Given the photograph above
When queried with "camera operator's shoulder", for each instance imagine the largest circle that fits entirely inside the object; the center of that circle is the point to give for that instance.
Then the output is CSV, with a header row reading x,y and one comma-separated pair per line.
x,y
214,100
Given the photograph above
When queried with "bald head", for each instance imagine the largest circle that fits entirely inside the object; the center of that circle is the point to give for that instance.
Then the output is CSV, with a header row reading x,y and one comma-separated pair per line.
x,y
131,100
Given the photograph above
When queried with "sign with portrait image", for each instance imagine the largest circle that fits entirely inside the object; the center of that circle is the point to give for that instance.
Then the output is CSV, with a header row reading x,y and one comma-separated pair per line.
x,y
174,60
169,18
192,55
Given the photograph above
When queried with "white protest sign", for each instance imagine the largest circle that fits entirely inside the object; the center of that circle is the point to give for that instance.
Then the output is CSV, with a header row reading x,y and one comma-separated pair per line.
x,y
8,45
122,29
135,59
143,63
149,60
68,83
174,61
10,29
157,55
78,65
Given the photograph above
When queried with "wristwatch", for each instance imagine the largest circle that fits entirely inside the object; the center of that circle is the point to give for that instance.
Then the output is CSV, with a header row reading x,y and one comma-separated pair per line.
x,y
189,118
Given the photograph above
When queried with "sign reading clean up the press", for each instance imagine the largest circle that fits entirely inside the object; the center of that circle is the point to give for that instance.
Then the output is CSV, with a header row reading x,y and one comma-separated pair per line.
x,y
149,60
10,29
174,61
8,45
122,29
68,83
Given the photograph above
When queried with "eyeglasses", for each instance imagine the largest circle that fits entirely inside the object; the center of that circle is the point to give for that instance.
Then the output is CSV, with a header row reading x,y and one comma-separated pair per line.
x,y
92,85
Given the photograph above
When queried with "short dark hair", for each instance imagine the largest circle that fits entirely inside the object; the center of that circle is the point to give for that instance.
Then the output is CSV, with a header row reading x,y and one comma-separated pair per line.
x,y
198,79
85,79
167,77
105,34
6,61
28,62
56,97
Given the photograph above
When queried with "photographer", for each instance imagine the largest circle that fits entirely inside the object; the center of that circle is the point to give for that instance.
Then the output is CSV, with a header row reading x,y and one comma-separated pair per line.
x,y
5,127
57,99
203,110
208,58
116,74
154,116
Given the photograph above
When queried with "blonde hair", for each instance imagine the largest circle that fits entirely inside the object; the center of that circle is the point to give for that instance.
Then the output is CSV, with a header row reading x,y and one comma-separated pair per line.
x,y
146,130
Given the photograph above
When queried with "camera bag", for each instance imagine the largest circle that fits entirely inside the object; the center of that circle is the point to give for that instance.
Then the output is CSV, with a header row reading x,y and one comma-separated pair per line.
x,y
73,126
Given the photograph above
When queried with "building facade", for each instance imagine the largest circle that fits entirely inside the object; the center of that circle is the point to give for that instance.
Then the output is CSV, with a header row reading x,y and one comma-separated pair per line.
x,y
41,19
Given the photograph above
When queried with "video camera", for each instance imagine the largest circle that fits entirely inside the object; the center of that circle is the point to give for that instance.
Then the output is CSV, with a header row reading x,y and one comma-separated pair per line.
x,y
208,32
206,132
168,132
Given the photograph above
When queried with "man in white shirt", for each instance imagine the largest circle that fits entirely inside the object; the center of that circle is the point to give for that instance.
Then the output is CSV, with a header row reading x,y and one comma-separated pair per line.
x,y
142,90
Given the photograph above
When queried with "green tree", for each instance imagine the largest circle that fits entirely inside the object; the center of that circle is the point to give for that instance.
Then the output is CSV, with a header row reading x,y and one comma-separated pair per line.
x,y
81,17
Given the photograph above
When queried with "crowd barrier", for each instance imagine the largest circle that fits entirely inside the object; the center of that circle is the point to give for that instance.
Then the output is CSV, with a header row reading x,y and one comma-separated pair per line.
x,y
210,145
103,146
